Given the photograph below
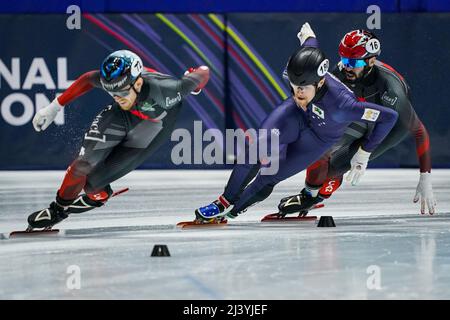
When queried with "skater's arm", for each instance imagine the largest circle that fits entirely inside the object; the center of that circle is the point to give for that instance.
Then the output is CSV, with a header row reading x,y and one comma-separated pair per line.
x,y
384,118
409,120
311,42
396,96
352,110
45,116
149,69
194,80
83,84
307,37
422,144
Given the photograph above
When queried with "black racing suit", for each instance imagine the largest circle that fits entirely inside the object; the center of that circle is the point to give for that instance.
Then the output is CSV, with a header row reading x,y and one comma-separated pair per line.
x,y
118,141
381,85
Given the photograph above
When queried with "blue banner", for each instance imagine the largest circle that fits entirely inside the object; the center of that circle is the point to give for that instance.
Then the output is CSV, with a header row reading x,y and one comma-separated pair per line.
x,y
223,6
40,57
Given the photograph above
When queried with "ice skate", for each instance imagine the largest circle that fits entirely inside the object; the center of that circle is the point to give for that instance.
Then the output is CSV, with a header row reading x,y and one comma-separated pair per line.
x,y
45,219
300,203
210,215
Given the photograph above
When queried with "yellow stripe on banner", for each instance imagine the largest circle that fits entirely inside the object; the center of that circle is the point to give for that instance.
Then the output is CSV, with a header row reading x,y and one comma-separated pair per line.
x,y
246,49
185,38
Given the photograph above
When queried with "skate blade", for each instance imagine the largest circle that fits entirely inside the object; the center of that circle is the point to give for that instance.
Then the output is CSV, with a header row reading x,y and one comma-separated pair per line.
x,y
33,233
201,224
275,217
119,192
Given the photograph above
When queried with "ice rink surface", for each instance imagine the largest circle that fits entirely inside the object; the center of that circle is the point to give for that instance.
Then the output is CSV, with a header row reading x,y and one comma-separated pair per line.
x,y
382,248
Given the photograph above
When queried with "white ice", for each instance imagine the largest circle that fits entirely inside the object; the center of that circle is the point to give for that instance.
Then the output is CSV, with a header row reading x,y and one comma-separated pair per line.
x,y
382,248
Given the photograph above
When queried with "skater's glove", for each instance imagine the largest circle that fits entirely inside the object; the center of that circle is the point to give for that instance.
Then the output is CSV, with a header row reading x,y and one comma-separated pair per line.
x,y
45,116
305,33
190,70
358,166
424,192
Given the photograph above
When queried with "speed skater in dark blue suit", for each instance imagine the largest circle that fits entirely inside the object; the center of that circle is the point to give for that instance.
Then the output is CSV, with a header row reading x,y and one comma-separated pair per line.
x,y
307,124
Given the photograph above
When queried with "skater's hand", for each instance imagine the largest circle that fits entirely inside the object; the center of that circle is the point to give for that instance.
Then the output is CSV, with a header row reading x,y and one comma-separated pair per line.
x,y
305,33
190,70
44,117
358,166
424,192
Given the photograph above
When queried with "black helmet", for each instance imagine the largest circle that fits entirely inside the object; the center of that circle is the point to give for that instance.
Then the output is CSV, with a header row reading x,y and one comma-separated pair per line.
x,y
307,66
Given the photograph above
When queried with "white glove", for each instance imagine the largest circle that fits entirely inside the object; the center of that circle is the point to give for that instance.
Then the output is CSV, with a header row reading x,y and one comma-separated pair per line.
x,y
44,117
305,33
358,166
424,192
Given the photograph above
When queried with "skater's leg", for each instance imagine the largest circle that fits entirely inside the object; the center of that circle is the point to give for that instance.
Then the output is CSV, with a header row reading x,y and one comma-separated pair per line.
x,y
340,159
142,141
240,177
325,175
106,131
307,149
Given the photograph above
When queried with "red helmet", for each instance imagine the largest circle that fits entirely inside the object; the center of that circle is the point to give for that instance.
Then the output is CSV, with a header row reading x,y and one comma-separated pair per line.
x,y
359,44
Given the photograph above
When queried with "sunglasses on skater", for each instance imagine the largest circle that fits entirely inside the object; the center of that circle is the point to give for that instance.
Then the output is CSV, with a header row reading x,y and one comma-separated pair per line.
x,y
353,63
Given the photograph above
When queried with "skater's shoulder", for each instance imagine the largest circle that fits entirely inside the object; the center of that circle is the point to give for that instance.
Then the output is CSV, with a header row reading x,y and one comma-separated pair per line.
x,y
286,107
387,72
334,85
334,90
155,76
391,79
285,111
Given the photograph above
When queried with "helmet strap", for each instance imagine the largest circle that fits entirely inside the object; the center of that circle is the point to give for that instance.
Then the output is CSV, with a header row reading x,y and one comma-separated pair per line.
x,y
366,71
132,86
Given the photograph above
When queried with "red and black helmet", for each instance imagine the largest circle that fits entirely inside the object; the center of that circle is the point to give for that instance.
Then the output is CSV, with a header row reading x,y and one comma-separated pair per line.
x,y
359,44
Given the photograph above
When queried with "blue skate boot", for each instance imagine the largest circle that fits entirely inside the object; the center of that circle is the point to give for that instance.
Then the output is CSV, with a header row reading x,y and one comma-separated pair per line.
x,y
214,212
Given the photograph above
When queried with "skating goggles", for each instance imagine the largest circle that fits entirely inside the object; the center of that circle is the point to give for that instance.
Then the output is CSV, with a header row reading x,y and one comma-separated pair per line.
x,y
353,63
121,93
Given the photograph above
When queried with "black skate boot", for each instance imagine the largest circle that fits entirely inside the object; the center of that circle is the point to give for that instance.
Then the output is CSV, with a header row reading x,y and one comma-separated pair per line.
x,y
83,203
47,218
300,203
